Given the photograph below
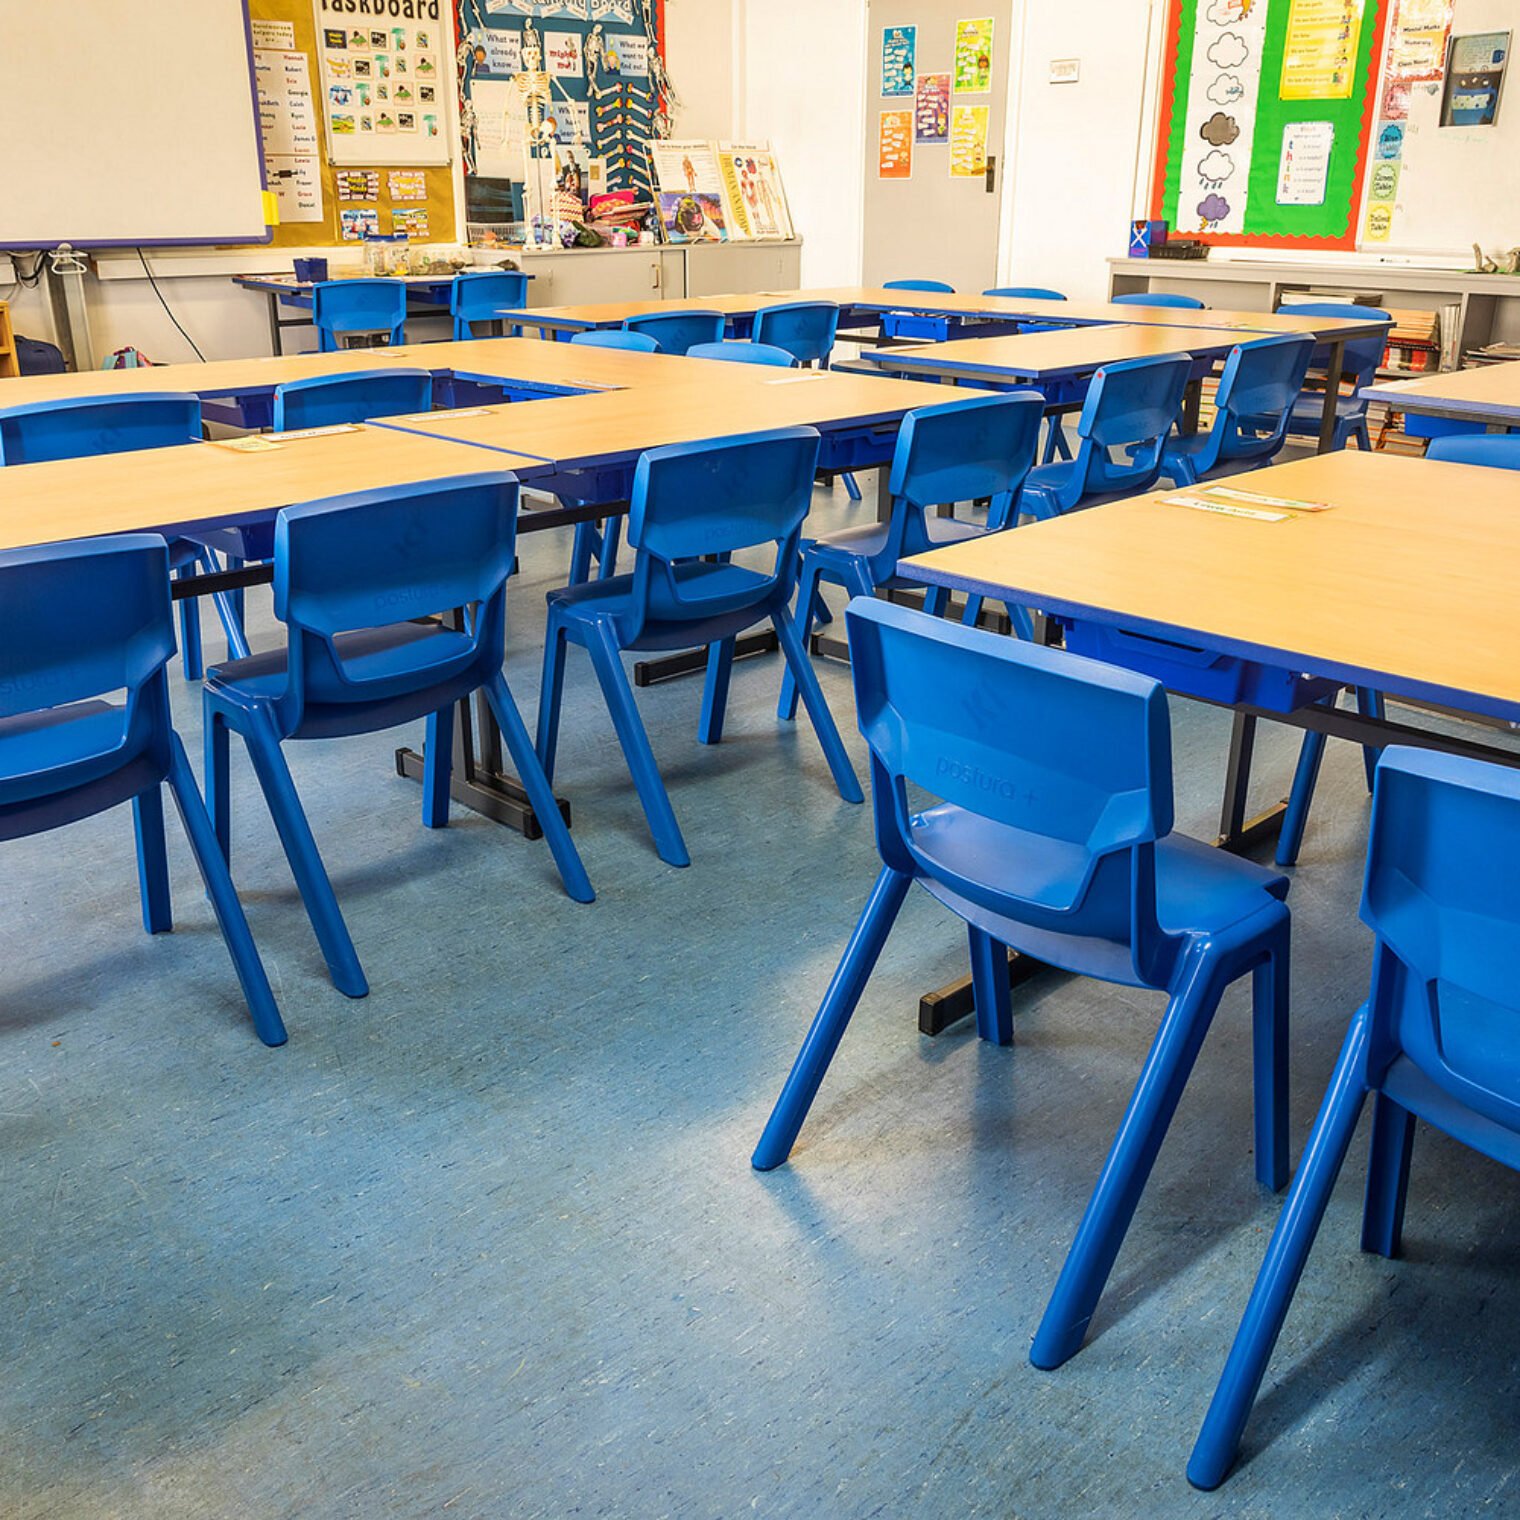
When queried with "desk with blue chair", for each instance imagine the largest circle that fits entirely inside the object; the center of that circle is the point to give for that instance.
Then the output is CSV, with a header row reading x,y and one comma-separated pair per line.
x,y
1486,396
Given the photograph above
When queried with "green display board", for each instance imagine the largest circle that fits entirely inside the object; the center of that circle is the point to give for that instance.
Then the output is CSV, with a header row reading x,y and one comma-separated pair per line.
x,y
1266,108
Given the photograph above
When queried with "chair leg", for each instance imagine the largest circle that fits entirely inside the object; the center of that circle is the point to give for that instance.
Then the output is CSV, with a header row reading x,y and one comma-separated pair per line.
x,y
1130,1160
606,560
851,485
1297,1225
606,660
806,679
807,595
437,767
224,900
305,861
1291,836
989,987
152,861
720,666
236,600
190,629
1369,704
1387,1177
828,1025
581,550
229,612
936,600
1269,1037
551,693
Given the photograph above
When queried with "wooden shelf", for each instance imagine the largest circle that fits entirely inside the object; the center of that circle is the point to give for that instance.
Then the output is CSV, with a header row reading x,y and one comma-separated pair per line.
x,y
9,365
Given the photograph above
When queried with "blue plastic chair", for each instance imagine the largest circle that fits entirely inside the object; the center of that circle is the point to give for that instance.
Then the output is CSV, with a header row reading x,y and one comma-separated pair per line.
x,y
1260,383
741,351
352,574
360,307
326,400
612,337
1496,451
1025,292
85,425
693,505
486,297
805,329
1359,364
676,331
1052,834
912,324
1130,408
68,750
1435,1039
938,285
954,451
1158,298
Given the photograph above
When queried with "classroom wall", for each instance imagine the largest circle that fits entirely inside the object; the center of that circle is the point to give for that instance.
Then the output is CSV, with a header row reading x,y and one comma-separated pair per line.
x,y
700,51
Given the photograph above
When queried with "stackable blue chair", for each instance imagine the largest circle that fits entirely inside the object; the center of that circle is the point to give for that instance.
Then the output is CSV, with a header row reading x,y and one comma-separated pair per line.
x,y
676,331
741,351
911,324
1025,292
805,329
614,337
1435,1039
1252,406
693,505
951,452
325,400
1052,835
352,575
1497,451
933,285
487,296
1359,364
1159,298
357,308
68,750
85,425
1130,408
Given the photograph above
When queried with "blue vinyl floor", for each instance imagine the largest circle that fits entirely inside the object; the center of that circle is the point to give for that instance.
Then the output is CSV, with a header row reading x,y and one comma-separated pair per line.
x,y
487,1243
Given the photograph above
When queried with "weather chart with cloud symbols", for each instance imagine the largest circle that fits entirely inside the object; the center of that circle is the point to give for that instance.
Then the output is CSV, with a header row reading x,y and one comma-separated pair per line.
x,y
1266,113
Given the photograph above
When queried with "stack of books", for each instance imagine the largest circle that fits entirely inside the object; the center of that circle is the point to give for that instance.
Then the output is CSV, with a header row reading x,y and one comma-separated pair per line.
x,y
1414,342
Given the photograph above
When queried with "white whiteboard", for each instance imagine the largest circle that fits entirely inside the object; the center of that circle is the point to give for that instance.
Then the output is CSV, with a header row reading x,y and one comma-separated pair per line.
x,y
128,121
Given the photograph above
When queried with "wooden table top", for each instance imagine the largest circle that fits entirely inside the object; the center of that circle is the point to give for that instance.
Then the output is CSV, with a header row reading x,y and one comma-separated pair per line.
x,y
1069,351
575,366
614,313
573,431
1485,393
1407,584
203,485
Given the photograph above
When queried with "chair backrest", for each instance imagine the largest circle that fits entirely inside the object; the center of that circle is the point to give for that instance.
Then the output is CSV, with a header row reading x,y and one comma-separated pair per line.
x,y
1442,894
938,285
805,329
738,351
479,296
956,451
86,425
611,337
1070,757
676,331
51,656
1133,403
1025,292
1159,298
375,558
1499,451
367,305
1261,381
1361,356
714,498
324,400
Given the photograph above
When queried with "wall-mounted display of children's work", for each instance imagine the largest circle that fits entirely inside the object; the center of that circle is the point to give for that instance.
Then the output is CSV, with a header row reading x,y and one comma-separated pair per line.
x,y
558,101
1265,115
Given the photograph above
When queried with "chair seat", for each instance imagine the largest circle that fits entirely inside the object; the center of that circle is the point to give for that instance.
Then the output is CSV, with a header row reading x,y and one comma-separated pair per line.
x,y
871,539
1044,484
1199,890
726,588
43,753
371,654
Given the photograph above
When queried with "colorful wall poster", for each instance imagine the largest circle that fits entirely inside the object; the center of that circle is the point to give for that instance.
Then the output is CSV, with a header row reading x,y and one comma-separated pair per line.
x,y
973,56
1474,77
359,222
1320,48
899,44
894,145
968,142
931,108
1303,166
753,192
688,190
410,220
357,184
406,185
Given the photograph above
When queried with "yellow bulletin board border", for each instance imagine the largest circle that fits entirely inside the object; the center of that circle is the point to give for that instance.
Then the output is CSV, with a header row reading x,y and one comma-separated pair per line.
x,y
439,179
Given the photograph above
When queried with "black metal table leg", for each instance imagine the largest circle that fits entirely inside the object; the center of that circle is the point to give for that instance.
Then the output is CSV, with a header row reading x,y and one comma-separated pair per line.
x,y
686,662
1332,395
1238,834
949,1004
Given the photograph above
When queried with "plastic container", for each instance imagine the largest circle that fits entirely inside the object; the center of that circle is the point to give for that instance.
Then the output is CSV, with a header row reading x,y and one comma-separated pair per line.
x,y
385,253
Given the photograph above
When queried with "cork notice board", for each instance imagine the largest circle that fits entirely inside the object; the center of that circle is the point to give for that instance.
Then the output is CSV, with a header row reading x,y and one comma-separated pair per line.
x,y
372,193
